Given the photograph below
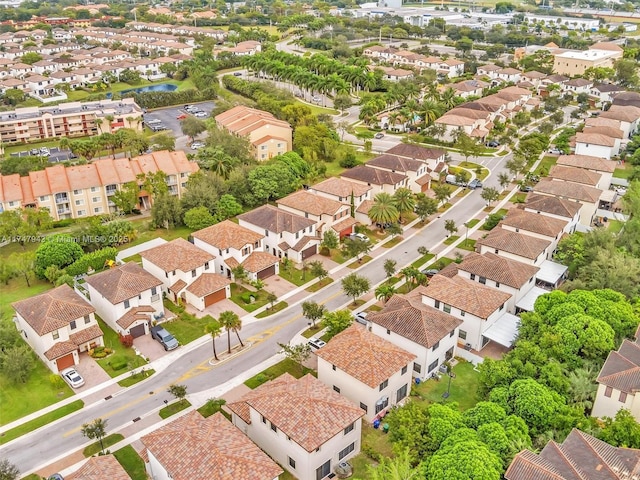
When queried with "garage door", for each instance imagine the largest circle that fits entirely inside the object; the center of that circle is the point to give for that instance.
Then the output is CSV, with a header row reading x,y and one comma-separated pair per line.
x,y
267,272
215,297
307,252
345,232
65,362
137,331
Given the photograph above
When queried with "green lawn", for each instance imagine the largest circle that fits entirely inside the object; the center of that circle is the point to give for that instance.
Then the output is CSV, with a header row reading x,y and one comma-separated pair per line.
x,y
131,462
174,408
519,198
270,311
38,422
186,328
422,260
463,387
393,242
111,340
260,298
318,285
317,109
359,263
615,226
468,244
312,331
372,441
285,366
450,240
624,171
337,256
472,223
442,262
545,165
106,443
209,409
17,290
138,377
295,275
145,234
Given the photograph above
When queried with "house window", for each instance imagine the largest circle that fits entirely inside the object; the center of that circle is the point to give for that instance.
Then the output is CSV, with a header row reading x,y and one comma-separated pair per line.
x,y
388,332
87,319
72,325
462,334
274,428
433,366
77,192
323,470
495,251
501,306
437,304
94,189
97,210
623,397
451,333
126,304
343,453
382,404
264,420
482,280
497,284
95,199
473,276
154,291
79,202
404,370
333,367
336,389
56,335
266,233
384,385
193,274
292,462
446,308
401,393
417,367
608,391
462,313
348,429
364,407
206,265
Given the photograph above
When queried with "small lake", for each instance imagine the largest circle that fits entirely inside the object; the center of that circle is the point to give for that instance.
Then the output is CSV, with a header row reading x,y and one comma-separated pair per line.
x,y
163,87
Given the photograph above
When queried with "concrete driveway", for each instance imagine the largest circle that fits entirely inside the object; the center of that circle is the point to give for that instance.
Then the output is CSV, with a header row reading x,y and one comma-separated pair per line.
x,y
278,285
149,347
217,308
92,373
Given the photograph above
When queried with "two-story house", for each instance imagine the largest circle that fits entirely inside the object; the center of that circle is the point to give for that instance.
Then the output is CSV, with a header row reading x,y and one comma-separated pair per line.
x,y
234,245
554,207
589,197
416,171
429,334
305,426
537,226
126,297
435,158
605,92
325,212
578,175
597,145
285,234
379,180
577,86
58,324
192,447
342,190
187,273
627,115
515,246
366,369
594,164
482,309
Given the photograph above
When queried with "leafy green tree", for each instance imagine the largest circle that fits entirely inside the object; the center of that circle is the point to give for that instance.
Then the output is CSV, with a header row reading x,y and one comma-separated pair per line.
x,y
166,211
408,429
503,180
490,195
227,207
163,141
337,321
298,353
356,247
395,229
24,225
230,321
271,182
425,207
126,198
442,191
192,127
95,430
390,266
59,250
342,102
203,189
198,218
398,468
30,58
468,146
7,272
318,270
621,431
450,226
384,292
17,363
329,240
354,285
8,471
313,311
178,391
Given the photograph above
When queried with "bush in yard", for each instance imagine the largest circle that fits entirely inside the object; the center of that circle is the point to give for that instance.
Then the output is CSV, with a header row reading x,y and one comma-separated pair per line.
x,y
118,363
492,221
246,297
126,340
58,250
261,377
56,381
95,260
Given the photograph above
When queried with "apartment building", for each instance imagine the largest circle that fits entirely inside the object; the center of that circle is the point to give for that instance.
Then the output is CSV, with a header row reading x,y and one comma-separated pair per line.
x,y
73,119
86,190
575,62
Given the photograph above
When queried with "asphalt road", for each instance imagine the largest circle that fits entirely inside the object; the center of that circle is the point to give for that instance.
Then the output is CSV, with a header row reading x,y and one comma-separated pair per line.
x,y
168,117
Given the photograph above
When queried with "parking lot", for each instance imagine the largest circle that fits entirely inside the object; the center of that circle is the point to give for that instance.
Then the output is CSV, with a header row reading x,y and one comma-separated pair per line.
x,y
168,117
55,154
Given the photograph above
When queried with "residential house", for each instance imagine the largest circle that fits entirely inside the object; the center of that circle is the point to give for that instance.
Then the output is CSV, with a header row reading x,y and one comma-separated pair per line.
x,y
394,74
482,309
488,70
577,86
627,115
597,144
379,180
605,92
285,234
241,49
341,190
435,158
126,297
99,468
578,175
579,456
187,273
305,426
366,369
469,88
416,172
588,196
554,207
58,324
326,213
538,226
594,164
409,323
511,75
192,447
268,136
515,246
234,245
534,77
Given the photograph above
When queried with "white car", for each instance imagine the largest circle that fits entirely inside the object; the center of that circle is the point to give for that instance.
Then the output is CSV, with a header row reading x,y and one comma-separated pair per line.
x,y
200,114
316,343
359,236
73,378
197,145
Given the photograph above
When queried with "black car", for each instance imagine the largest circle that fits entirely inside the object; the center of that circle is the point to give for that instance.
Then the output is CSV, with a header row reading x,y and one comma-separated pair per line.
x,y
526,188
493,144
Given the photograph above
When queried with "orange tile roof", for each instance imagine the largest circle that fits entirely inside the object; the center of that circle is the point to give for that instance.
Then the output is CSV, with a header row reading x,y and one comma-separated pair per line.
x,y
122,282
515,243
577,191
276,220
499,269
258,261
208,283
552,205
304,201
27,191
53,309
595,139
178,286
177,254
59,349
373,176
573,174
86,335
365,356
134,315
227,234
196,448
587,162
533,222
344,224
306,410
10,188
100,468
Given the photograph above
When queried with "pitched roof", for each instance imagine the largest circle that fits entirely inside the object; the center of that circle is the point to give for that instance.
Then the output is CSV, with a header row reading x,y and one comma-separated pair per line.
x,y
625,113
100,468
466,295
177,254
603,130
135,314
196,448
622,368
59,349
307,202
407,316
572,174
276,220
499,269
415,151
595,139
227,234
515,243
340,187
588,162
393,162
122,282
208,283
258,261
533,222
306,410
52,310
373,176
85,335
552,205
579,457
242,120
563,189
365,356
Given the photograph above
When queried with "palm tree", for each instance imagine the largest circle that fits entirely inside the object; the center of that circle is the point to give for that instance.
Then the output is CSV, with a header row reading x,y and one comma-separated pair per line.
x,y
582,387
404,201
385,292
431,111
383,210
503,180
410,274
231,321
214,329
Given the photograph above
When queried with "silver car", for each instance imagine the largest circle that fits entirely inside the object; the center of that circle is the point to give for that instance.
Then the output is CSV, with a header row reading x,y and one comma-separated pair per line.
x,y
73,378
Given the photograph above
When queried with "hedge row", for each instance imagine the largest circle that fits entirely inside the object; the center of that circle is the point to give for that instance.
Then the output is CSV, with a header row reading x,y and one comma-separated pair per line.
x,y
166,99
94,260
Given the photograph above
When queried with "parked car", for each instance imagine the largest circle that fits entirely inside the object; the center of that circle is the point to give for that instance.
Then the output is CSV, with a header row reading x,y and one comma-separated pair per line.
x,y
165,338
359,236
493,144
34,151
237,74
379,135
196,145
555,151
73,378
430,272
526,188
44,151
182,116
475,183
361,317
152,121
316,343
200,114
316,99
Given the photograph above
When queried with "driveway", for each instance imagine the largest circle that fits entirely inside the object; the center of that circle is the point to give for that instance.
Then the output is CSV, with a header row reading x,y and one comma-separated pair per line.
x,y
217,308
278,285
92,373
149,347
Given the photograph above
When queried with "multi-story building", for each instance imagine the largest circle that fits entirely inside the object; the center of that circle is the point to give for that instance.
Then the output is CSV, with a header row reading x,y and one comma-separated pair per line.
x,y
575,62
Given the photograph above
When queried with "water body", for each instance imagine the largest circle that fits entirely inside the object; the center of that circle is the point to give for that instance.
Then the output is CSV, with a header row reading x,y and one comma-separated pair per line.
x,y
163,87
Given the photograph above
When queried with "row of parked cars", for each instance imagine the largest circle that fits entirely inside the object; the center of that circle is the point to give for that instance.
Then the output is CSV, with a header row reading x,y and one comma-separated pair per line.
x,y
472,185
192,110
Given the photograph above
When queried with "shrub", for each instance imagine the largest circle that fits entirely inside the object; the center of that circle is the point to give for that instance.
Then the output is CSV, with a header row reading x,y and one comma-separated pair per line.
x,y
118,363
325,251
261,377
126,340
492,221
63,223
246,297
56,380
94,260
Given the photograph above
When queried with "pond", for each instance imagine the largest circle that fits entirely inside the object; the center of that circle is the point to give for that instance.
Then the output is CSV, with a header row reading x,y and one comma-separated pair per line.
x,y
163,87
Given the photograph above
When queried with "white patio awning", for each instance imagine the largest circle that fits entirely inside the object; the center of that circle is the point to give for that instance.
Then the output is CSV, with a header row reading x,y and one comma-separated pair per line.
x,y
504,331
551,272
527,302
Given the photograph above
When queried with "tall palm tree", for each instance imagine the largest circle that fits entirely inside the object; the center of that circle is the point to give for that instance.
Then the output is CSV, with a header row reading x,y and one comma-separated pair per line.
x,y
404,201
385,292
231,321
383,210
214,329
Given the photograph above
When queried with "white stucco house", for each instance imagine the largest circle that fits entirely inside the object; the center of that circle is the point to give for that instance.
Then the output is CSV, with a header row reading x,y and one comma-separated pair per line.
x,y
593,164
597,145
305,426
586,195
58,324
380,180
515,246
367,369
418,178
126,297
534,225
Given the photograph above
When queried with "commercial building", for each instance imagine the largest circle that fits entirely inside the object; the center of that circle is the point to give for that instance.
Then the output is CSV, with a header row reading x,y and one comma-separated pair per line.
x,y
575,62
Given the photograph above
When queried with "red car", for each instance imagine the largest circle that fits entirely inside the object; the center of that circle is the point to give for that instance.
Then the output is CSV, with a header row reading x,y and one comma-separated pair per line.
x,y
182,116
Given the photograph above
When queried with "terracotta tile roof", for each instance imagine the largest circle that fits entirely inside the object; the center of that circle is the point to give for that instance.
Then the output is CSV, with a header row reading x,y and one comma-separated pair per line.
x,y
258,261
393,162
208,283
340,187
533,222
227,234
579,82
231,262
602,122
572,174
344,224
242,120
466,295
407,316
196,448
627,113
365,206
135,314
622,368
177,254
304,201
10,188
458,120
123,282
306,410
303,242
365,356
588,162
595,139
571,190
276,220
579,457
499,269
59,349
178,286
604,130
515,243
54,309
373,176
100,468
86,335
552,205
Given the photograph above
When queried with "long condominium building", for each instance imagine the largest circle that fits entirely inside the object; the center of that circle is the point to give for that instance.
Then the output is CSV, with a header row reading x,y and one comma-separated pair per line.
x,y
85,190
73,119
